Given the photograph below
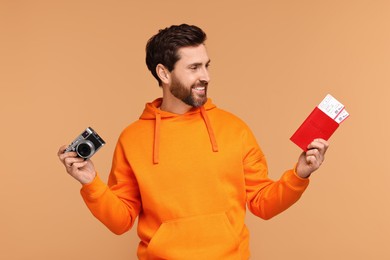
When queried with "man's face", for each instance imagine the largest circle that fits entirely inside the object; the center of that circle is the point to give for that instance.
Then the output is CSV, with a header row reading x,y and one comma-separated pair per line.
x,y
190,77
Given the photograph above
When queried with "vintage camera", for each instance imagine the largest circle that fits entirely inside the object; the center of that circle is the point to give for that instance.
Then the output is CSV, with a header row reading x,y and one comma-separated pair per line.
x,y
86,144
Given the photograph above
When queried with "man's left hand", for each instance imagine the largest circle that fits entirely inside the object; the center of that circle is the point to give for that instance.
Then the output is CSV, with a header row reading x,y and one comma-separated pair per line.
x,y
312,159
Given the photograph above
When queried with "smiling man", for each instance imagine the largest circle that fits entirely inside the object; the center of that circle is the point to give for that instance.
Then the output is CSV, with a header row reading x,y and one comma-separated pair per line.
x,y
186,85
186,168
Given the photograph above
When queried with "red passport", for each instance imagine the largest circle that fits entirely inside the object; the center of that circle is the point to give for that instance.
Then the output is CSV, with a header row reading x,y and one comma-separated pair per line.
x,y
322,122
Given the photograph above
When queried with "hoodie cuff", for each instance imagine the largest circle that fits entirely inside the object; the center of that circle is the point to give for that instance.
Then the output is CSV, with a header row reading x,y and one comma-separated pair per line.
x,y
295,181
94,189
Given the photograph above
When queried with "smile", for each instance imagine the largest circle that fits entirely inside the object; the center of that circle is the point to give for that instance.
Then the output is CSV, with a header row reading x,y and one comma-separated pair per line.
x,y
199,88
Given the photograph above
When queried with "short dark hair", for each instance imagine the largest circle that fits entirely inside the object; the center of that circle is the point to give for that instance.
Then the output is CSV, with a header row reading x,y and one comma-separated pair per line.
x,y
163,47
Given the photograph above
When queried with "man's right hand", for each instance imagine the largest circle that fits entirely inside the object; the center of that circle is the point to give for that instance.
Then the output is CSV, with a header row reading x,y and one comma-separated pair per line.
x,y
80,169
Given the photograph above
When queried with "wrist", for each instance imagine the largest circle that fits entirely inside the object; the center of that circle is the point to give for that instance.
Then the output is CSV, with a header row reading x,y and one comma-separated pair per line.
x,y
88,179
301,173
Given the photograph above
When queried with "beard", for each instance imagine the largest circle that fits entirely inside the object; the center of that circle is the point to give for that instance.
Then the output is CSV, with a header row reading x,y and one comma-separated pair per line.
x,y
187,94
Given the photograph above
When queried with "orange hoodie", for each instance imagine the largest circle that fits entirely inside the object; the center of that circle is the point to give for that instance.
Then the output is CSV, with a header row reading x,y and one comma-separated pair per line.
x,y
189,178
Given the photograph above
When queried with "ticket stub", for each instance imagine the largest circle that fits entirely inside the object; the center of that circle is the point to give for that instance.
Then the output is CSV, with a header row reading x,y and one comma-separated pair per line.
x,y
341,116
333,108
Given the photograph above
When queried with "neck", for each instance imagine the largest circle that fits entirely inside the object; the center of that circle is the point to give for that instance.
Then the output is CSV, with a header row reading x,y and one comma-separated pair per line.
x,y
173,105
178,107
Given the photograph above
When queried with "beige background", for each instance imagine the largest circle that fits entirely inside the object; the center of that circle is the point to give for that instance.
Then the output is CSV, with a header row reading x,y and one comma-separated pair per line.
x,y
65,65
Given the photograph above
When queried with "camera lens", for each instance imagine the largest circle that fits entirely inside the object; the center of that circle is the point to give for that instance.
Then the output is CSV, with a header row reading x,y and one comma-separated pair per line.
x,y
85,149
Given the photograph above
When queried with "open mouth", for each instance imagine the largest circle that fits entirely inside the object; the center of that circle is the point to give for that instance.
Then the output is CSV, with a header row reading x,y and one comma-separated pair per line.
x,y
199,88
201,91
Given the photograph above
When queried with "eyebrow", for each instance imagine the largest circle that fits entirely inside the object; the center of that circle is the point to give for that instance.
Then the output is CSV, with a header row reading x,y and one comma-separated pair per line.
x,y
199,63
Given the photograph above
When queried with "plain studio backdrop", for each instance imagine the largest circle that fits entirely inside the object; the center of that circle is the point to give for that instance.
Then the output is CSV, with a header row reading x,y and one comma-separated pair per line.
x,y
66,65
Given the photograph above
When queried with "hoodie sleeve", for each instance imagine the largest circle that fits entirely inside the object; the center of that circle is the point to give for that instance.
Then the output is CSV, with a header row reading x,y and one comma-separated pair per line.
x,y
267,198
117,204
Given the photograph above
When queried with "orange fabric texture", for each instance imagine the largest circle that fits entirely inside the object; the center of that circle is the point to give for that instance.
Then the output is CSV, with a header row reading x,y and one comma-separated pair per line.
x,y
189,179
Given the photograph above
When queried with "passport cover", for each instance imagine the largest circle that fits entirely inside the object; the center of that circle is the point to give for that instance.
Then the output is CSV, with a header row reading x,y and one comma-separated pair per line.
x,y
316,125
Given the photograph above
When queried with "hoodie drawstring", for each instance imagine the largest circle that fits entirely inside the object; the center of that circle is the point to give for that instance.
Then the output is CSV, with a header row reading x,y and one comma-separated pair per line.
x,y
209,129
156,146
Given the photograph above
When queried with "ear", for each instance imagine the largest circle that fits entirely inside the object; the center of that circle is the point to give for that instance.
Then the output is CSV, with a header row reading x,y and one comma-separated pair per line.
x,y
163,73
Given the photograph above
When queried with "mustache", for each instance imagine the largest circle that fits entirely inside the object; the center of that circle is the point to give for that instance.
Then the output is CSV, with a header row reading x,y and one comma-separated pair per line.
x,y
201,83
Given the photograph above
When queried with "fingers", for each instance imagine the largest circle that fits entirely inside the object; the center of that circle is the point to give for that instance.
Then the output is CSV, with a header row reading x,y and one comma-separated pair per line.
x,y
312,159
69,162
61,150
75,167
62,155
316,151
319,144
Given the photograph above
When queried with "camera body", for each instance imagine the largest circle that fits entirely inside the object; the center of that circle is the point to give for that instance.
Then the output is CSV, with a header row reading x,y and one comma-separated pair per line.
x,y
86,144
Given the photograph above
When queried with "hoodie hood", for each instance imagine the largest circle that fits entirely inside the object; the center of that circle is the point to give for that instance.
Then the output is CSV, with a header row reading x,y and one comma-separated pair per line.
x,y
152,112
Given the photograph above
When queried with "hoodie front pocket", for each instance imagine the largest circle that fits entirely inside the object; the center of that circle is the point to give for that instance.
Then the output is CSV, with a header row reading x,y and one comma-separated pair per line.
x,y
199,237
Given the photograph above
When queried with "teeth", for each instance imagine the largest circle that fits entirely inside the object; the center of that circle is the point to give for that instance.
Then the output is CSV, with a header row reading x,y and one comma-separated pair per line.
x,y
199,88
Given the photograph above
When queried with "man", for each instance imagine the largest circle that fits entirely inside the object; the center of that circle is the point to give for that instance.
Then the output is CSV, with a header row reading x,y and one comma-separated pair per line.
x,y
186,168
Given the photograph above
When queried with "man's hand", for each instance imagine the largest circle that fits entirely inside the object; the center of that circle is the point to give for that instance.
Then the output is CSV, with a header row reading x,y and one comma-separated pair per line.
x,y
312,159
80,169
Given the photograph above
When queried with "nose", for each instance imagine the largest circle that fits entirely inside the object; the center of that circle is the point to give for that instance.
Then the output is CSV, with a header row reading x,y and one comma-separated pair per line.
x,y
205,75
